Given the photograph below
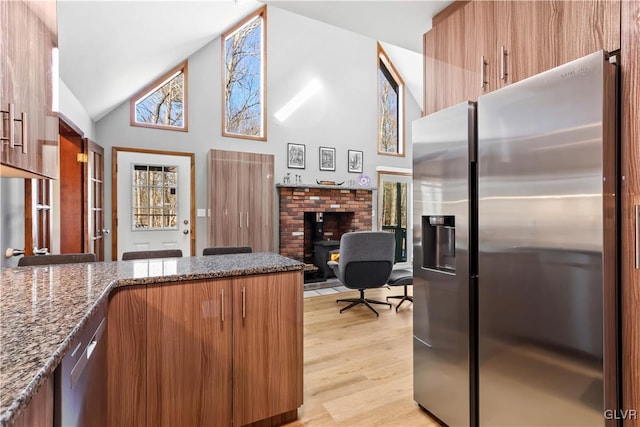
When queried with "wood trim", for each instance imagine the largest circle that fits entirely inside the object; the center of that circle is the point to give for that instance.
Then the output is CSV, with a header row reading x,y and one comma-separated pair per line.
x,y
68,127
184,67
260,12
630,164
114,193
384,58
448,11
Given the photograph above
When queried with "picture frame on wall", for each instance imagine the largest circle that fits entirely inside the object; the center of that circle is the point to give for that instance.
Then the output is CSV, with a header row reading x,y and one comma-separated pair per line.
x,y
327,159
355,160
296,156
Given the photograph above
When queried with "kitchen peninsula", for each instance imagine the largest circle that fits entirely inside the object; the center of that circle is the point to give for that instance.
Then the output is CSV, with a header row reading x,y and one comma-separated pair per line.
x,y
166,319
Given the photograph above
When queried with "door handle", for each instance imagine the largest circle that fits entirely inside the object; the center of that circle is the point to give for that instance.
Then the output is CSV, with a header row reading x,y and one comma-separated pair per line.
x,y
78,369
637,207
10,118
240,219
503,55
244,302
222,305
247,219
483,65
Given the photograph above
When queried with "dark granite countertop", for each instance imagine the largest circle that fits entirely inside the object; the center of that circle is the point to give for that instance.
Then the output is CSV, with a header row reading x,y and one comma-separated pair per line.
x,y
42,308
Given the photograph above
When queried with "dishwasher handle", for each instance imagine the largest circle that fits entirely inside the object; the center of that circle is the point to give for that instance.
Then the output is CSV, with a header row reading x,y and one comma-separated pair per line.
x,y
80,366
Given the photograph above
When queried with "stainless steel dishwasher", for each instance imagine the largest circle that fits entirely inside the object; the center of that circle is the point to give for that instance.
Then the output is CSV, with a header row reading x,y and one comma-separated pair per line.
x,y
81,377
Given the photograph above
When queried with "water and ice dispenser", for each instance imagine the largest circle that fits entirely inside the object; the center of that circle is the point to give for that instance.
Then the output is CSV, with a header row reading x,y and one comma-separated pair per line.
x,y
439,242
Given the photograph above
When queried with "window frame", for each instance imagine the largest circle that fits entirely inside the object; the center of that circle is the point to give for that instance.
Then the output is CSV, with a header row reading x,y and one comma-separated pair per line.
x,y
383,58
261,12
182,68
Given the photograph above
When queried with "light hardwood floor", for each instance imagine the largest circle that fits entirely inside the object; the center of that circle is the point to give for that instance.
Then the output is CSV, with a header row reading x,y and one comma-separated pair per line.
x,y
358,368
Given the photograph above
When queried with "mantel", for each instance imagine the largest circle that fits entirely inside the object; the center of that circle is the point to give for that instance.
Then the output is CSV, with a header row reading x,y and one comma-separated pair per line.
x,y
329,187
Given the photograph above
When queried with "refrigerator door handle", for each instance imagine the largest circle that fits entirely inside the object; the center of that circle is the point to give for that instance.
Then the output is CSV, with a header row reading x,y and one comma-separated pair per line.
x,y
637,208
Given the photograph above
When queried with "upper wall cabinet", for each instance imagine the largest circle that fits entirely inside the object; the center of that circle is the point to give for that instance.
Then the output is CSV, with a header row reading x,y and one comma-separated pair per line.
x,y
536,36
485,45
28,73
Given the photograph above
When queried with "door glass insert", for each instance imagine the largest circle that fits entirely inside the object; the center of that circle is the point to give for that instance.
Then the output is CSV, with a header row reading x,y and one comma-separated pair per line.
x,y
394,215
154,192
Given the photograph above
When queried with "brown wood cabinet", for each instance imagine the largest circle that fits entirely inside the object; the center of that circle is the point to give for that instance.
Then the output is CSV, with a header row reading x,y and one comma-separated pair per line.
x,y
189,354
39,412
630,165
267,346
485,45
28,45
173,348
240,199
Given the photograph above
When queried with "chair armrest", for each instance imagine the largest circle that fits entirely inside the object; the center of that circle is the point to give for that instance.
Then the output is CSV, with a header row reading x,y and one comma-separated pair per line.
x,y
335,266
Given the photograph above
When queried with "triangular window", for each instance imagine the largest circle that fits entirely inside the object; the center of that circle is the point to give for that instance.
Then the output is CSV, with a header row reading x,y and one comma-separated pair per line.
x,y
163,103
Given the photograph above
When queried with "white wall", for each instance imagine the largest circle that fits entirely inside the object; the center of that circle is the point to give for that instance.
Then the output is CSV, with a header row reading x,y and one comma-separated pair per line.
x,y
343,115
74,111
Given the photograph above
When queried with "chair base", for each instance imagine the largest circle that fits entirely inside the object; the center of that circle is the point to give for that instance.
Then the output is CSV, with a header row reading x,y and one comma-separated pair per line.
x,y
402,298
361,300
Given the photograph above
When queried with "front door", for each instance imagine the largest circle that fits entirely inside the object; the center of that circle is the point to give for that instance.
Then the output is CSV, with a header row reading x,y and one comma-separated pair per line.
x,y
153,198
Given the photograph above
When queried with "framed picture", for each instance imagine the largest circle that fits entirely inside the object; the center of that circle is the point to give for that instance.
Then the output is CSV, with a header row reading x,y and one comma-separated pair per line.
x,y
295,156
327,159
355,161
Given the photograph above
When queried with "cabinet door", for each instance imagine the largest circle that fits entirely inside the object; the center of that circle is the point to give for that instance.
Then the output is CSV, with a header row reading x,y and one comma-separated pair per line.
x,y
267,346
481,68
256,184
223,195
126,357
28,47
540,35
189,354
446,86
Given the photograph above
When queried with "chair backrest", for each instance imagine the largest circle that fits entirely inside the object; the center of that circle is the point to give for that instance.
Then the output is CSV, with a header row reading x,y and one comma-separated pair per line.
x,y
161,253
225,250
366,258
55,259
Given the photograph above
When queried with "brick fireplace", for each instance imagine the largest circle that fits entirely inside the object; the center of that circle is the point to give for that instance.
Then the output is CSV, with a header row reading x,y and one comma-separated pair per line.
x,y
343,210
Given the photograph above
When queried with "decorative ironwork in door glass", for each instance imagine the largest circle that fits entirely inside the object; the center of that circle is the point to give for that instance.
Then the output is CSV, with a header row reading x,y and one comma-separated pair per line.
x,y
155,197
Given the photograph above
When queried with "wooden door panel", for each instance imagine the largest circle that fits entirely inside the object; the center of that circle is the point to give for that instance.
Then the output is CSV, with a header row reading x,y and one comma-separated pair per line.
x,y
450,43
126,357
94,194
267,346
189,354
224,227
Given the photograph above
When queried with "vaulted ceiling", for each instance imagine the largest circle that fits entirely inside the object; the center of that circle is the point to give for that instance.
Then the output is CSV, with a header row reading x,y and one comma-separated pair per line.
x,y
109,50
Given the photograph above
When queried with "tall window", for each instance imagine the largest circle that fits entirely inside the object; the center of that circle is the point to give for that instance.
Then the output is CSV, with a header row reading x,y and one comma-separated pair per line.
x,y
390,107
163,103
243,52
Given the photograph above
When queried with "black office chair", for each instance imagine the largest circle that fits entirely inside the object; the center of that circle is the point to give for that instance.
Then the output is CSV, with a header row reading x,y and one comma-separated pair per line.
x,y
225,250
366,261
161,253
29,260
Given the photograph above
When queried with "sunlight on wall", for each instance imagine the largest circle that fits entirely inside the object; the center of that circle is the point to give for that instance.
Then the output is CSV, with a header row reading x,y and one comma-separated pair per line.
x,y
299,100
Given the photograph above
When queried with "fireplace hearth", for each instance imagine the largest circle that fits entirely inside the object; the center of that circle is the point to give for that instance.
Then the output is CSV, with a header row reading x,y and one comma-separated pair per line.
x,y
317,213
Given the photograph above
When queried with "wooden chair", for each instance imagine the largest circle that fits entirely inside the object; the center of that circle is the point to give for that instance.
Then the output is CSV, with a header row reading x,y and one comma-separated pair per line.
x,y
225,250
55,259
161,253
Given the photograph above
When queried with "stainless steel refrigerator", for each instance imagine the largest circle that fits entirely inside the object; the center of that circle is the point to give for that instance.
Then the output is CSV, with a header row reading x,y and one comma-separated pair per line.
x,y
515,253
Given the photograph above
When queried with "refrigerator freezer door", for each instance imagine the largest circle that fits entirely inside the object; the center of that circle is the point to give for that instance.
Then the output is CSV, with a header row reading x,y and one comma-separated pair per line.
x,y
544,163
441,171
